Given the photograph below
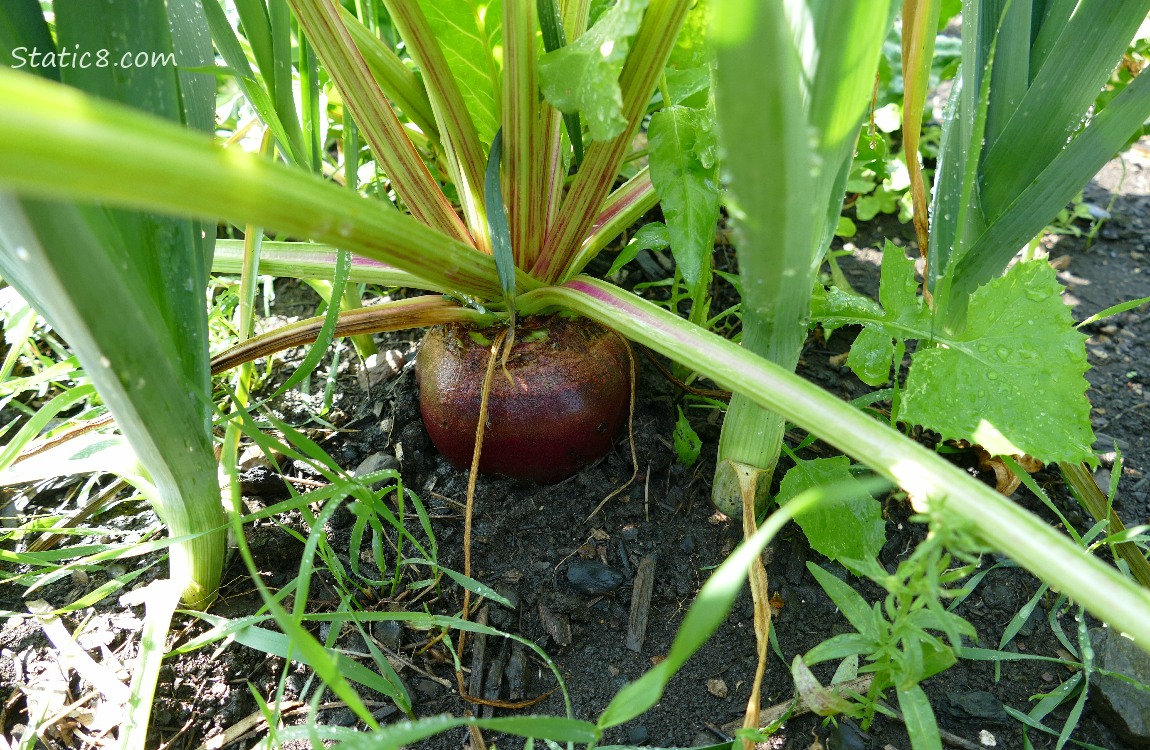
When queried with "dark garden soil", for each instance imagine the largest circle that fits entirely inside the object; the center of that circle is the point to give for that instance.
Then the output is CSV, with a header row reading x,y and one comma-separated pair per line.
x,y
530,542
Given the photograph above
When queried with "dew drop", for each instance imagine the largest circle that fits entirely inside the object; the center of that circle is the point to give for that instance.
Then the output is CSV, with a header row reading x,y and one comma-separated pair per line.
x,y
22,254
1036,295
1003,353
105,362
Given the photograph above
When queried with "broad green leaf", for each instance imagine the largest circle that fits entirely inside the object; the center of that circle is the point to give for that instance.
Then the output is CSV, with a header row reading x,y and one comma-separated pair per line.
x,y
1012,380
471,36
851,527
685,174
691,49
584,75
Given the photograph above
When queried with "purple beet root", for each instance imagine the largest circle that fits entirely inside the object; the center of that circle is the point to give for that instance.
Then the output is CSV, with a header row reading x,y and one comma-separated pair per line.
x,y
566,400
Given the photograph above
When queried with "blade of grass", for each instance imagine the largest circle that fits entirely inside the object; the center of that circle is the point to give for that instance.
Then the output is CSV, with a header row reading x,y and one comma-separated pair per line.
x,y
382,129
302,644
1090,496
40,420
159,605
708,611
309,83
257,28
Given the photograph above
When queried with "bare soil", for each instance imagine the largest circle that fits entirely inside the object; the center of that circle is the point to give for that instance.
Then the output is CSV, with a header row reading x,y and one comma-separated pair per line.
x,y
526,538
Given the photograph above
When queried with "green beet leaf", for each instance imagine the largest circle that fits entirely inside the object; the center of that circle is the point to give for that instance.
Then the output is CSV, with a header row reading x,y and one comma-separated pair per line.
x,y
850,527
1013,379
685,174
584,75
468,31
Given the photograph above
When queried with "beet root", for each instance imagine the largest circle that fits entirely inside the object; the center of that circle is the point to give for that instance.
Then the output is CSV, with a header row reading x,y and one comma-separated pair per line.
x,y
567,398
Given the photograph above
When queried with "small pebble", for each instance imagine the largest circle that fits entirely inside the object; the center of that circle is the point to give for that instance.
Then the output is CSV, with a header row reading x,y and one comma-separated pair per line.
x,y
376,462
844,736
717,688
593,578
637,734
388,632
430,688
